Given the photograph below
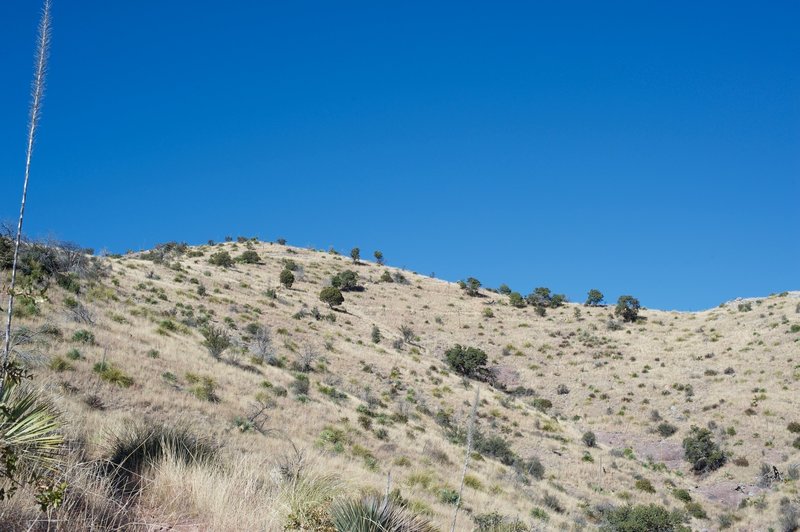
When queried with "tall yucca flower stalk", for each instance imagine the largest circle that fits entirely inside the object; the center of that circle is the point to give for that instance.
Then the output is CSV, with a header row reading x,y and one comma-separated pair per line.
x,y
40,71
470,437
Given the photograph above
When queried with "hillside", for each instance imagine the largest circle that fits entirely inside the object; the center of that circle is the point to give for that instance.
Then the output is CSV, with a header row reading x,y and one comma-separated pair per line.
x,y
323,408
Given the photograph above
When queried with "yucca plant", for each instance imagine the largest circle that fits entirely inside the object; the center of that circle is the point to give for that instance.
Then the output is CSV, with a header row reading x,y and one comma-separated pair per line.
x,y
376,515
29,440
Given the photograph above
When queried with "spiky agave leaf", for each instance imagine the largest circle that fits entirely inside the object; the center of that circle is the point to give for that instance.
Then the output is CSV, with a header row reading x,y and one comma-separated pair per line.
x,y
374,515
28,430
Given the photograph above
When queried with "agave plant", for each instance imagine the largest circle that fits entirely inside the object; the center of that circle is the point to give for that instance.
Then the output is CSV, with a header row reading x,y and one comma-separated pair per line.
x,y
29,438
376,515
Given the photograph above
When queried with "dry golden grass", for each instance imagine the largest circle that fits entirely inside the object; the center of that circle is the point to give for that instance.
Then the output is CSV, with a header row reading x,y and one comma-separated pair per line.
x,y
616,378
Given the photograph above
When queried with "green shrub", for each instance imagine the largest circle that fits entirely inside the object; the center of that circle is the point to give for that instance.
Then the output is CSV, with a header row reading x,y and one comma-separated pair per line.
x,y
376,334
249,257
112,374
643,518
331,296
645,485
386,277
221,258
627,308
69,282
448,496
494,446
74,354
58,364
345,281
682,495
496,522
594,298
552,502
467,361
300,385
515,300
471,286
83,336
702,452
589,439
696,510
355,254
202,387
666,430
793,427
541,297
286,278
379,258
217,340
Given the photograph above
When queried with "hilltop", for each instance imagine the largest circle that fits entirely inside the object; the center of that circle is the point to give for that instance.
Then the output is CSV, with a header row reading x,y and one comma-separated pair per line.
x,y
303,405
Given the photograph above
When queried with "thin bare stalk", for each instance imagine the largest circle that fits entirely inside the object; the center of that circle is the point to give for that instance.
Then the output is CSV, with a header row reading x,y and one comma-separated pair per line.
x,y
470,433
40,70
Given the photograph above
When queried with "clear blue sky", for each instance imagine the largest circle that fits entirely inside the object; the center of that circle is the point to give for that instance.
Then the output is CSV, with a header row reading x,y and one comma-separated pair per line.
x,y
625,146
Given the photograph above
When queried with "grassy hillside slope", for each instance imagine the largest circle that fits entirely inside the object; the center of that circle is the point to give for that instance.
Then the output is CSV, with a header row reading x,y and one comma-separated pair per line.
x,y
327,412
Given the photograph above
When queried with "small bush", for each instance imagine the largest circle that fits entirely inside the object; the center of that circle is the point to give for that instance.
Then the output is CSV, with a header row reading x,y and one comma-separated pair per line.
x,y
702,452
589,439
249,257
202,387
642,518
666,430
594,298
286,278
515,300
345,281
496,522
83,336
112,374
448,496
540,403
682,495
471,286
793,427
552,502
217,340
300,385
58,364
467,361
627,308
645,485
331,296
221,258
